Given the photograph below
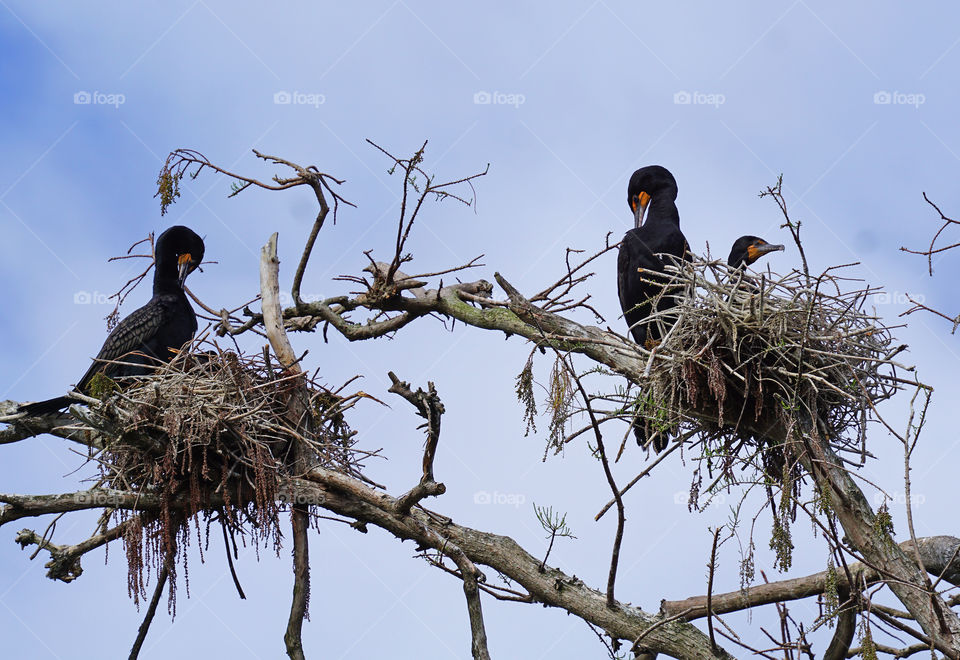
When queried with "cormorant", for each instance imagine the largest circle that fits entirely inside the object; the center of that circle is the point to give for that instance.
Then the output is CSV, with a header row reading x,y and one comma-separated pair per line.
x,y
152,334
747,249
655,240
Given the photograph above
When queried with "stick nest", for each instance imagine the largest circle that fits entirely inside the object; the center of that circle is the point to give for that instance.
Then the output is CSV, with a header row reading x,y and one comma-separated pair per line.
x,y
773,350
210,434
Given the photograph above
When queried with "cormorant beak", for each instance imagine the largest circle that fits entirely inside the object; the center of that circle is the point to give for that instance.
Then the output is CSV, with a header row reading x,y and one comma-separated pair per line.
x,y
185,266
639,203
757,250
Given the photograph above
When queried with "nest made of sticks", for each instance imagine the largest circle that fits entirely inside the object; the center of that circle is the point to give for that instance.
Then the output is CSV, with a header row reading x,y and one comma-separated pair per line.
x,y
768,350
211,435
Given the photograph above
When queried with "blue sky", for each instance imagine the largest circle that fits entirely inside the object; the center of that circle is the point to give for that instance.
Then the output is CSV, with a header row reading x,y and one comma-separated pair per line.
x,y
855,104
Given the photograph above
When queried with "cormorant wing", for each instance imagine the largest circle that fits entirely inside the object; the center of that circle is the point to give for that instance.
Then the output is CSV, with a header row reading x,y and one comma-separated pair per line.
x,y
137,332
634,255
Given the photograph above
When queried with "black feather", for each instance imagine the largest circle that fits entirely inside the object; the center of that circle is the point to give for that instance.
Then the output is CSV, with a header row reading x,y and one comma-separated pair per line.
x,y
150,335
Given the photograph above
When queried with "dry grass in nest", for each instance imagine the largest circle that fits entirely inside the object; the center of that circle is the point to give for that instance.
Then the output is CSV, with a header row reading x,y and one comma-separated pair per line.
x,y
210,435
769,351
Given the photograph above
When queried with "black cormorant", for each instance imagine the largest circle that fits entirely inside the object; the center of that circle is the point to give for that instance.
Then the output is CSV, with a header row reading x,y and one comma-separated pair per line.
x,y
655,240
152,334
748,249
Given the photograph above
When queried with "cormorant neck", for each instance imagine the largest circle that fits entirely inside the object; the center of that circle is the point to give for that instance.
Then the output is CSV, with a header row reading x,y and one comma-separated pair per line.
x,y
662,209
165,278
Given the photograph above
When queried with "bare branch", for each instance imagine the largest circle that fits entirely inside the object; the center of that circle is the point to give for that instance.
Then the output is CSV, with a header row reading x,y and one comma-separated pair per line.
x,y
932,250
429,407
937,553
151,611
350,498
621,516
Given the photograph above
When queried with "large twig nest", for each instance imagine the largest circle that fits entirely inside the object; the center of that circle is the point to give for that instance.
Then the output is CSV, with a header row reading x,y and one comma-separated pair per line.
x,y
222,418
211,435
774,350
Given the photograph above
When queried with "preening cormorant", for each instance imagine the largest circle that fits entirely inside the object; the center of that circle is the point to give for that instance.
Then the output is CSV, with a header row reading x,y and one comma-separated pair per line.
x,y
655,239
748,249
152,334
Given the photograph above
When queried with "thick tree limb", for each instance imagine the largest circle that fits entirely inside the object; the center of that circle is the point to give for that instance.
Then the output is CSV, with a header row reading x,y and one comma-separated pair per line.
x,y
30,506
935,550
302,418
350,498
478,633
900,572
58,425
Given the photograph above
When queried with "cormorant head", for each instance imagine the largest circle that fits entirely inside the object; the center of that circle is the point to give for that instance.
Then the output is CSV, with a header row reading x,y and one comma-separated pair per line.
x,y
181,245
748,249
646,184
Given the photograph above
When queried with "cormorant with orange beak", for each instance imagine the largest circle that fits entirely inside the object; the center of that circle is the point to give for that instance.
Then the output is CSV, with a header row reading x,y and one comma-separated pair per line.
x,y
153,334
654,241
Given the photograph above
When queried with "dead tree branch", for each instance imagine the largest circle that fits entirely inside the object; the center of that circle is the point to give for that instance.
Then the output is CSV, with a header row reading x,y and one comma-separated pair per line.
x,y
936,551
931,250
429,407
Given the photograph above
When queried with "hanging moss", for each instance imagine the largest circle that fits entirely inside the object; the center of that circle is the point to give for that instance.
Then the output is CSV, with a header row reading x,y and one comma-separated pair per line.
x,y
868,648
883,525
831,593
524,390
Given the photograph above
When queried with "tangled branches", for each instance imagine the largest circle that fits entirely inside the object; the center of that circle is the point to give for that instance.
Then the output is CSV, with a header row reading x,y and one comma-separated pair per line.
x,y
779,373
208,435
766,350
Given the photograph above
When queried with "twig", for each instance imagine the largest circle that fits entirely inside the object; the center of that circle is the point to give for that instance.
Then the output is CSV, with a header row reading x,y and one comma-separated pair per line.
x,y
712,566
621,516
151,611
